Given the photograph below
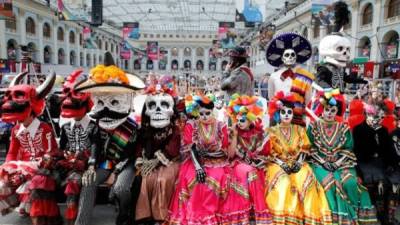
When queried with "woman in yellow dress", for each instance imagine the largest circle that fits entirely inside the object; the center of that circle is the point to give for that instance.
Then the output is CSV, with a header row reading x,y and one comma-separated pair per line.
x,y
293,194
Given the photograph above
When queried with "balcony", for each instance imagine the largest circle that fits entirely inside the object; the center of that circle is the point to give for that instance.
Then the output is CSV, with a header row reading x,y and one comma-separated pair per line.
x,y
366,27
392,20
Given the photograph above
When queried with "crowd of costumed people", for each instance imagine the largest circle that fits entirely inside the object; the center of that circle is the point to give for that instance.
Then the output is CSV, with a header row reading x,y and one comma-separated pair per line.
x,y
203,158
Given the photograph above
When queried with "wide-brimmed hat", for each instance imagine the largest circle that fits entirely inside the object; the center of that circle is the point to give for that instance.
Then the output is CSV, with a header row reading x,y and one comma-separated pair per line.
x,y
289,40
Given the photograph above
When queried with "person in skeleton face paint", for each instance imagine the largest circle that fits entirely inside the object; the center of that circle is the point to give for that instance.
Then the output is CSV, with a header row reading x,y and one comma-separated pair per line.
x,y
250,145
377,161
205,143
293,193
333,159
111,90
285,51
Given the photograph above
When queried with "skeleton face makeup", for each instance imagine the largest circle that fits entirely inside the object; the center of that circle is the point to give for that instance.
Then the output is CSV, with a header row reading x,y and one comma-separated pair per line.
x,y
111,110
206,115
160,109
289,57
219,103
374,119
242,122
330,113
286,115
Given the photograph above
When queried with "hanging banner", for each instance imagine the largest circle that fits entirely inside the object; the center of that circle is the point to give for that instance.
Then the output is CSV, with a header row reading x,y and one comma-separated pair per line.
x,y
86,33
369,69
125,51
391,51
152,50
216,50
130,30
322,12
6,9
73,10
226,34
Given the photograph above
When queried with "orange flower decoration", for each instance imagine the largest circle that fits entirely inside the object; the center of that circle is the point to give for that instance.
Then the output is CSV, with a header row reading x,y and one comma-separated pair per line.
x,y
108,74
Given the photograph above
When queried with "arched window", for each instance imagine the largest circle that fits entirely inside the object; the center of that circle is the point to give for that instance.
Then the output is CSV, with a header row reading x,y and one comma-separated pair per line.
x,y
80,39
106,46
32,48
60,34
364,47
391,42
80,59
174,52
94,60
223,65
199,65
394,8
47,54
46,30
112,47
30,26
99,43
187,64
200,52
174,65
88,59
61,56
187,51
11,23
212,65
137,65
72,37
367,15
72,58
12,49
149,64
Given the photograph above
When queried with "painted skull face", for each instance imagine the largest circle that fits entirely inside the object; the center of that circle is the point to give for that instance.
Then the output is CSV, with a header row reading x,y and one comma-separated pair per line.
x,y
330,113
242,122
160,109
206,115
335,49
286,115
219,103
374,119
289,57
111,110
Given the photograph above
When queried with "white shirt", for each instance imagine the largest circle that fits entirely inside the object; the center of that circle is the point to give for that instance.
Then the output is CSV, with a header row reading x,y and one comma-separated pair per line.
x,y
276,84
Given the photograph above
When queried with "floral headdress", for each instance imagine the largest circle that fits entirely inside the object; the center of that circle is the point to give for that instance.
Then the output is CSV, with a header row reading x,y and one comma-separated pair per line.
x,y
165,84
250,107
192,103
332,97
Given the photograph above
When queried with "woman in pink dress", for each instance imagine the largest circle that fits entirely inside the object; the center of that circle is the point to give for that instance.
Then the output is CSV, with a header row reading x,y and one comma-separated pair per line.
x,y
203,177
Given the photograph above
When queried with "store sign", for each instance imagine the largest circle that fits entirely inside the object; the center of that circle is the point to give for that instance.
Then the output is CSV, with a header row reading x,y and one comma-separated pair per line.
x,y
6,9
130,31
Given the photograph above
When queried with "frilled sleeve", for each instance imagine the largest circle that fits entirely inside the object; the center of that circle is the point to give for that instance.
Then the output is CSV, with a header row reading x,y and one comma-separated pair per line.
x,y
12,154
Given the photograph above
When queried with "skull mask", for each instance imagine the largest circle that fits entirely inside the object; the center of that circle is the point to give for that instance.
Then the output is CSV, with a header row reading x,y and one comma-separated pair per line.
x,y
206,115
220,97
330,113
242,122
286,115
111,110
289,57
335,49
160,109
22,100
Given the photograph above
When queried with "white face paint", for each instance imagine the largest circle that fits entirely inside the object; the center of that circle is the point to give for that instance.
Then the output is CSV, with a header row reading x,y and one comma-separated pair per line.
x,y
242,122
286,115
206,115
113,110
330,113
289,57
160,109
219,103
335,49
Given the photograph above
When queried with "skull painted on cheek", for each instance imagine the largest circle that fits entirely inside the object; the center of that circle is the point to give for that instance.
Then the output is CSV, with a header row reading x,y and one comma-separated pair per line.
x,y
160,110
21,100
75,104
111,110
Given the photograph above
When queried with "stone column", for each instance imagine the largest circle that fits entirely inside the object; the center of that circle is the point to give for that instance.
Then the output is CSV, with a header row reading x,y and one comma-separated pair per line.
x,y
22,27
40,52
3,41
55,43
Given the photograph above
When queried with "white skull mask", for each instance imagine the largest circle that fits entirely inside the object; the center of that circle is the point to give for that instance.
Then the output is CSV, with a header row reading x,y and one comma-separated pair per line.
x,y
160,109
219,103
111,110
330,113
289,57
286,115
206,115
335,49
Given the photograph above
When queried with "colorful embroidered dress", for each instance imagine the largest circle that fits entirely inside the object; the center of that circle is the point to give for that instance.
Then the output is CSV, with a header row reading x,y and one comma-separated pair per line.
x,y
201,203
348,200
246,186
295,198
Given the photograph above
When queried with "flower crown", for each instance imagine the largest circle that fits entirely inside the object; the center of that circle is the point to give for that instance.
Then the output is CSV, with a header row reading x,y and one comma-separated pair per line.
x,y
108,74
164,85
330,97
192,103
249,106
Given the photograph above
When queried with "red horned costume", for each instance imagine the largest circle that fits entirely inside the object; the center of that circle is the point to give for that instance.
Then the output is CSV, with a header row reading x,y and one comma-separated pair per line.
x,y
29,159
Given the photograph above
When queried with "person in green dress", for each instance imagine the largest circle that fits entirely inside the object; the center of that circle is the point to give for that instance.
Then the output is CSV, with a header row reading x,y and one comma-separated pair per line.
x,y
333,162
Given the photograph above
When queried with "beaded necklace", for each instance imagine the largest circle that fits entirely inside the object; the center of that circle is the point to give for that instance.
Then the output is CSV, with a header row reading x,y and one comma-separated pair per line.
x,y
207,132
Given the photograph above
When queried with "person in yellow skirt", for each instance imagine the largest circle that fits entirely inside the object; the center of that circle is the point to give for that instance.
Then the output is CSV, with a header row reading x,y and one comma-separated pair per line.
x,y
293,193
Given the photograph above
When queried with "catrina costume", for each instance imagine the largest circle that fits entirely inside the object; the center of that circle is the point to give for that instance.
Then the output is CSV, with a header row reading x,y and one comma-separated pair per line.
x,y
202,186
250,145
333,162
292,193
158,152
285,51
78,141
111,90
27,171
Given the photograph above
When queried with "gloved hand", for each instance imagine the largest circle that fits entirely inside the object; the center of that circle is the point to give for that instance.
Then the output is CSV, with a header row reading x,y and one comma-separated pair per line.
x,y
286,168
201,175
296,167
